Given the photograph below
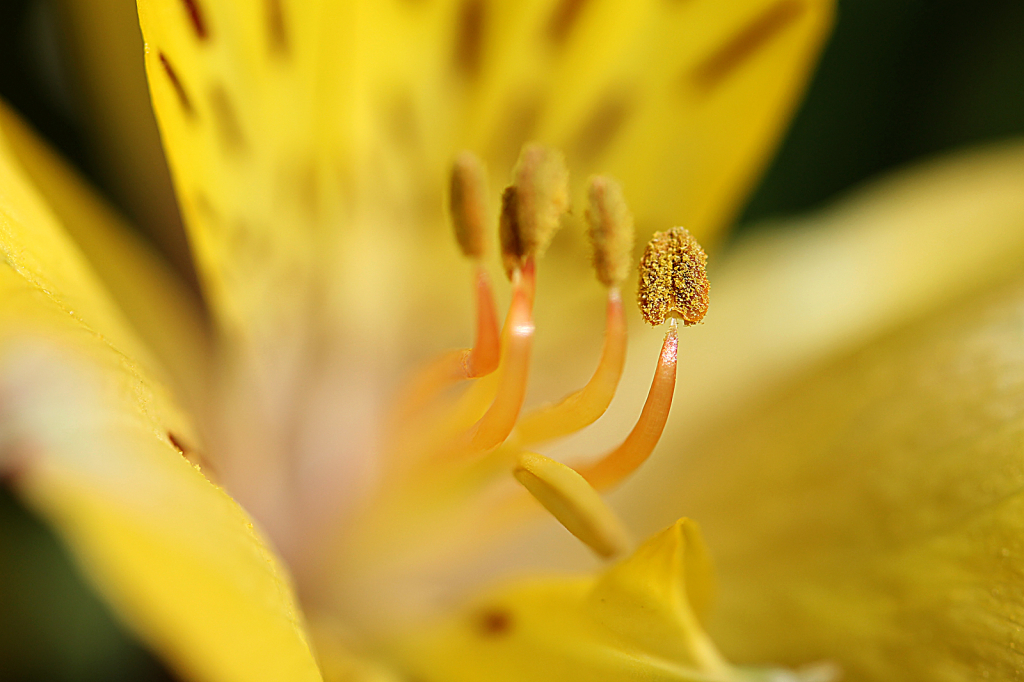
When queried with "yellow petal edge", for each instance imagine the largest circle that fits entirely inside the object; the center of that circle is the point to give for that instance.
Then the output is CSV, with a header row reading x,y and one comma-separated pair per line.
x,y
162,310
86,441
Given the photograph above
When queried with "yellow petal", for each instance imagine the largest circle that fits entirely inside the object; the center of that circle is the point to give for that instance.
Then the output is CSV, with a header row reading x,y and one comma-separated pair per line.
x,y
658,593
874,510
165,314
632,621
789,297
866,510
88,438
310,141
682,103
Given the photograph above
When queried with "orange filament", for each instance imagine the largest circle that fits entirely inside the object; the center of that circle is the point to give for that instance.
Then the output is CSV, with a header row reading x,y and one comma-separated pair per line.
x,y
457,365
490,406
634,451
497,422
483,358
475,402
585,406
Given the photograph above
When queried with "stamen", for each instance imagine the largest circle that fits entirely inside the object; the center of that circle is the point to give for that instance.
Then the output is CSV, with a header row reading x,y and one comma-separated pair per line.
x,y
509,233
450,435
468,204
673,278
611,231
497,423
573,501
533,205
585,406
457,365
456,453
483,358
673,283
531,211
639,444
475,401
611,235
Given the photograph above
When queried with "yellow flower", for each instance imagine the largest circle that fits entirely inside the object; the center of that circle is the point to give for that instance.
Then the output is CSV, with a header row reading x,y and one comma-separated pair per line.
x,y
865,515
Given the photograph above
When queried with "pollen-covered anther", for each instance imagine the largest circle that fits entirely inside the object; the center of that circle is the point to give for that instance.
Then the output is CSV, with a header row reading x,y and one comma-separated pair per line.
x,y
509,233
673,278
532,206
468,204
610,230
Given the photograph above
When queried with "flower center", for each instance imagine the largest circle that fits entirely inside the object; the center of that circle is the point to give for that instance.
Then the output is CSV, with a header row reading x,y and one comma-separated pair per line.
x,y
460,470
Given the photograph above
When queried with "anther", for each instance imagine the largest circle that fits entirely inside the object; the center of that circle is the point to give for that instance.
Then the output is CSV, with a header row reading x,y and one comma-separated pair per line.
x,y
673,278
611,231
468,204
611,234
510,235
532,207
573,502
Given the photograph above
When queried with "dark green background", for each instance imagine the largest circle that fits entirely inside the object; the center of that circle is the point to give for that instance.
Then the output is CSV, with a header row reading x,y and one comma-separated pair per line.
x,y
900,80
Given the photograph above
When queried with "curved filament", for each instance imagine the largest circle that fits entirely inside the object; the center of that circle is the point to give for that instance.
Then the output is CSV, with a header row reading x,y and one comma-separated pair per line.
x,y
457,365
480,396
585,406
634,451
483,358
496,424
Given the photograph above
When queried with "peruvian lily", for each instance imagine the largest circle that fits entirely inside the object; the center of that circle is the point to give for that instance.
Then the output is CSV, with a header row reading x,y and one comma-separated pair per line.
x,y
847,432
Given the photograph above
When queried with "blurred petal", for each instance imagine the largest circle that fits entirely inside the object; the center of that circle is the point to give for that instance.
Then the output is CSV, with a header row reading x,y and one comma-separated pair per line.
x,y
95,445
161,308
876,508
870,511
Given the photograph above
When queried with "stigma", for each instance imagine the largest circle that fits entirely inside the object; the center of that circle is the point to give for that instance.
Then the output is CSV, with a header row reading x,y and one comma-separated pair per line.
x,y
459,433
